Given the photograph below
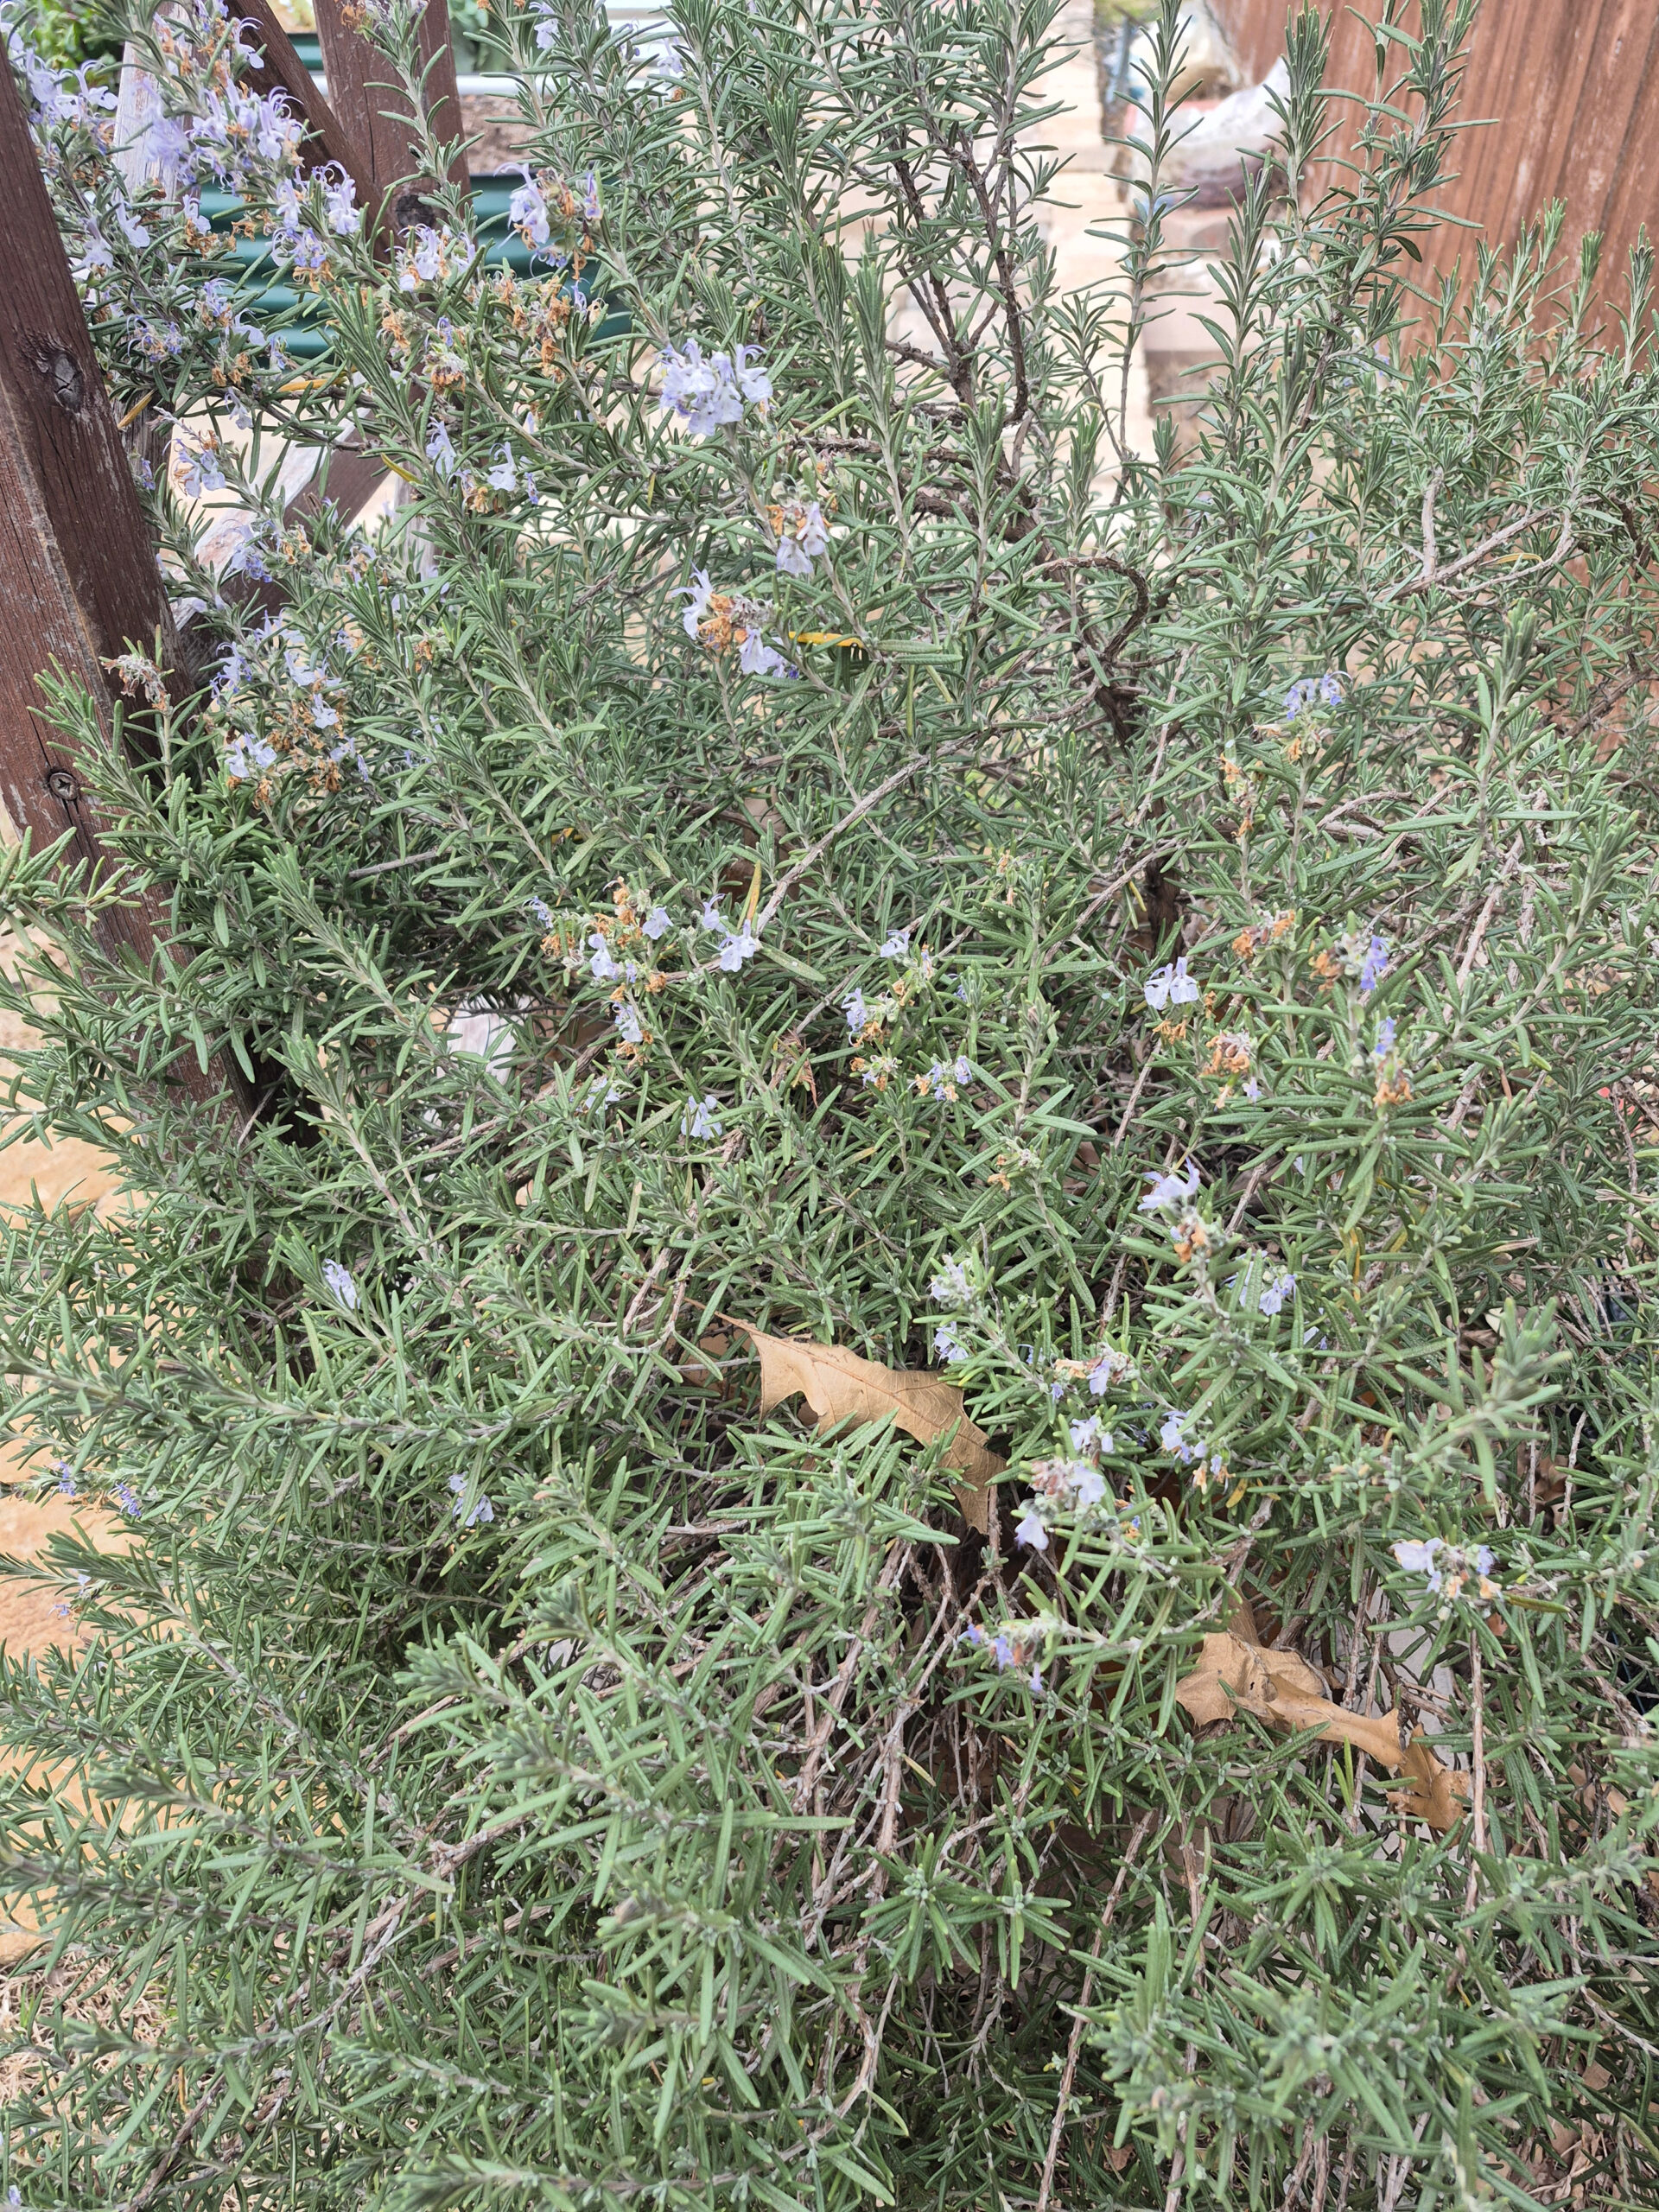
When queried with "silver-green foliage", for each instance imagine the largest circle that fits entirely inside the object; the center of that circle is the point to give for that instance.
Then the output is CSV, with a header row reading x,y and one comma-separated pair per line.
x,y
522,1773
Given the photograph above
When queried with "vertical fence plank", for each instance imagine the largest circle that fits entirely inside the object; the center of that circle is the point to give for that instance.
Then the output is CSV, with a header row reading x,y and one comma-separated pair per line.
x,y
1606,166
1565,96
78,576
329,138
374,110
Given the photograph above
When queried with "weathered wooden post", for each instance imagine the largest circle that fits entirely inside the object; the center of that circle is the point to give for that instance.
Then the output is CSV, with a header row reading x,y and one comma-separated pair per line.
x,y
375,111
78,582
330,138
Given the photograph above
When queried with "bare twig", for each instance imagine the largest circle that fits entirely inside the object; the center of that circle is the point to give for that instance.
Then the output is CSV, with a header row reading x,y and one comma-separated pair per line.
x,y
1057,2133
1431,551
1478,1701
791,876
1471,559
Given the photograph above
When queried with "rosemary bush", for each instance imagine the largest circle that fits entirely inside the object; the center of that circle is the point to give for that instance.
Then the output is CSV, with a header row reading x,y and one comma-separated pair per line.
x,y
788,827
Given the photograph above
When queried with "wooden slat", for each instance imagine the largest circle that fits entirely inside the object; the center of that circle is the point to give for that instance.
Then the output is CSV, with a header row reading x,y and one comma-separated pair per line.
x,y
1567,96
78,576
376,111
348,479
1256,29
1607,175
329,140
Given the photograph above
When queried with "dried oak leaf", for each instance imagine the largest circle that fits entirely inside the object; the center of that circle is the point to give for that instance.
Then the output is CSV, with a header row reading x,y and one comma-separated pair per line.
x,y
840,1387
1236,1673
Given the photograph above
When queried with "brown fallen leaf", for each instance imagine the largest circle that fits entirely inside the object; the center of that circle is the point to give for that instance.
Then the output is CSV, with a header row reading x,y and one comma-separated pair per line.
x,y
1236,1673
840,1387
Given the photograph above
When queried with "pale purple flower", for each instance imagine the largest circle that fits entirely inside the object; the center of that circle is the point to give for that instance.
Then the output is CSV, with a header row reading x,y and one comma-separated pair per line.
x,y
527,212
857,1013
896,945
503,477
162,343
603,967
1171,1438
1374,967
127,1499
1276,1291
43,86
429,252
657,922
1031,1531
96,256
1089,1436
200,470
65,1475
340,199
167,143
1087,1489
700,1118
629,1027
341,1284
947,1344
1419,1559
132,229
1170,986
950,1286
247,756
756,657
1170,1190
740,944
1107,1371
804,537
1384,1044
482,1509
705,395
439,450
699,591
1310,688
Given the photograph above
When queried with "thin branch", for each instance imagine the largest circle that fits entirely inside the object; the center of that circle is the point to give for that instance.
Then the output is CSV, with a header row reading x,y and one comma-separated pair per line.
x,y
1057,2133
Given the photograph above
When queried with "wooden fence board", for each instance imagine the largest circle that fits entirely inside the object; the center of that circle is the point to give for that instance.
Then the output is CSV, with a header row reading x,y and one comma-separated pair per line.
x,y
1565,98
328,141
375,111
79,582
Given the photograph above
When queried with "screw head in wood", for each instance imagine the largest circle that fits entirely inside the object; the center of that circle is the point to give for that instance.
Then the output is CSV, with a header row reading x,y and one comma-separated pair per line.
x,y
61,783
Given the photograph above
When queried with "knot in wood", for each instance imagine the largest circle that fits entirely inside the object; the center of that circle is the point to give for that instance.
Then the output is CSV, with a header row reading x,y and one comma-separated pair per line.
x,y
62,373
409,209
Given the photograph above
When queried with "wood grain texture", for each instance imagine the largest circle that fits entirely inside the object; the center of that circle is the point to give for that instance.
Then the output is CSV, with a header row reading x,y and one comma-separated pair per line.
x,y
78,574
375,108
79,582
328,142
1561,101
